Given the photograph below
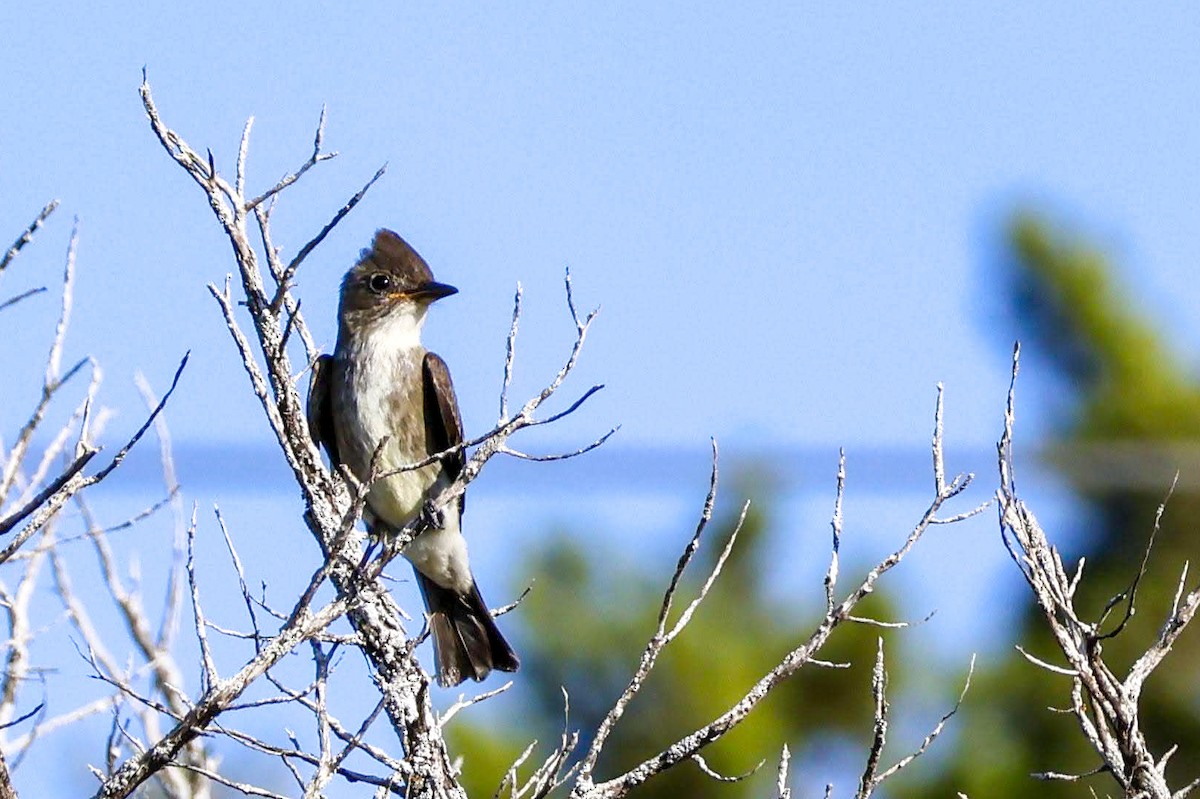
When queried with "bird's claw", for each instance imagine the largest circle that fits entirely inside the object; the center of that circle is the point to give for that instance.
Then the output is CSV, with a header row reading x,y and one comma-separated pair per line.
x,y
432,516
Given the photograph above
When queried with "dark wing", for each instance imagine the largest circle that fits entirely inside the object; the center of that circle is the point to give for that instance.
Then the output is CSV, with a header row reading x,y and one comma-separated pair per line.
x,y
443,425
320,407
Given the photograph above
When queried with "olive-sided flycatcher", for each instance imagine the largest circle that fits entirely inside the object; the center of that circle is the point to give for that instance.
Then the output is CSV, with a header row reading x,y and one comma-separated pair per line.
x,y
380,383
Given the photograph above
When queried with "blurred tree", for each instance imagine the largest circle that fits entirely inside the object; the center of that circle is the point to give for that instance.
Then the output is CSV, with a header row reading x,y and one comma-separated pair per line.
x,y
1127,417
1126,410
590,615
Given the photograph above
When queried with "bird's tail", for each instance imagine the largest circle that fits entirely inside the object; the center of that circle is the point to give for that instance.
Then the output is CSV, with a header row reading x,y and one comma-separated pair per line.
x,y
466,640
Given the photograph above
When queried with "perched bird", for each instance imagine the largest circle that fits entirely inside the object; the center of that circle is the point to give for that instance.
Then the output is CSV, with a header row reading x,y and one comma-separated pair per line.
x,y
380,383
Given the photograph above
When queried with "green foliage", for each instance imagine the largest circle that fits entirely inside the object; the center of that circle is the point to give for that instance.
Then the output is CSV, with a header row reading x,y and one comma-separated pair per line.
x,y
592,611
1127,401
1119,382
1127,383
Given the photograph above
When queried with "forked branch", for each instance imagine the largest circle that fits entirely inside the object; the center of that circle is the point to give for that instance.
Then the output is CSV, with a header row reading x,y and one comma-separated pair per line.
x,y
333,503
689,747
1105,705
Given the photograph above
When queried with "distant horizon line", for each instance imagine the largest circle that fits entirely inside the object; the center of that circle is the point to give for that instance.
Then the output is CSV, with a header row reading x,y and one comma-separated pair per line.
x,y
260,467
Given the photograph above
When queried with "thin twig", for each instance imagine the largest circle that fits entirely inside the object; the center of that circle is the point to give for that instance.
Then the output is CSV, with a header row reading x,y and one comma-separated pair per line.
x,y
27,235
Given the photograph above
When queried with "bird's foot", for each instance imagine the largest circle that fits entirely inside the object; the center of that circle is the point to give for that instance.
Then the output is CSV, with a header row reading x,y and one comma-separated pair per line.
x,y
432,516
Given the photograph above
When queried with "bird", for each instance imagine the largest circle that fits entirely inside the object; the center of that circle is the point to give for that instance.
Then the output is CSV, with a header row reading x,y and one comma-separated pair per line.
x,y
382,390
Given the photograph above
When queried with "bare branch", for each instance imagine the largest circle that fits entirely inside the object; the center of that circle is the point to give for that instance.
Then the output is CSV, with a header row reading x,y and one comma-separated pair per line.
x,y
510,351
831,574
685,748
316,158
552,773
781,779
1105,706
699,760
27,236
137,769
560,456
289,273
22,296
1044,665
53,378
464,703
934,733
660,637
20,514
209,676
939,458
869,779
333,501
120,456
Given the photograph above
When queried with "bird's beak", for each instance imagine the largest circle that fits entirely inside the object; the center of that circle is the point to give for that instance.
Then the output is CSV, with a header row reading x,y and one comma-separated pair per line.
x,y
432,291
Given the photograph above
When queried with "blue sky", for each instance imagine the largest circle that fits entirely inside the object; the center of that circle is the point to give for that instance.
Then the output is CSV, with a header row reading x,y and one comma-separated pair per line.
x,y
784,211
787,211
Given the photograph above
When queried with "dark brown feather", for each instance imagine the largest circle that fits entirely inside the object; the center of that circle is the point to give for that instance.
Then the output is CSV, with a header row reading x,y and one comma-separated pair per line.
x,y
320,408
390,256
443,424
395,254
466,640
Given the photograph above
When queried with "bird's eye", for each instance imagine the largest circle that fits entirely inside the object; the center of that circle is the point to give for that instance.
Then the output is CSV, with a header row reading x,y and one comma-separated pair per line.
x,y
379,283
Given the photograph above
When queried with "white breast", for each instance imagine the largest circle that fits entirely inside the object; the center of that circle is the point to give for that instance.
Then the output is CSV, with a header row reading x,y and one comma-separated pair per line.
x,y
388,366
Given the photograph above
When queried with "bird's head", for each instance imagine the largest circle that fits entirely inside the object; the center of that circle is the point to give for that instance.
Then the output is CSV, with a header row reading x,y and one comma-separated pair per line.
x,y
390,280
